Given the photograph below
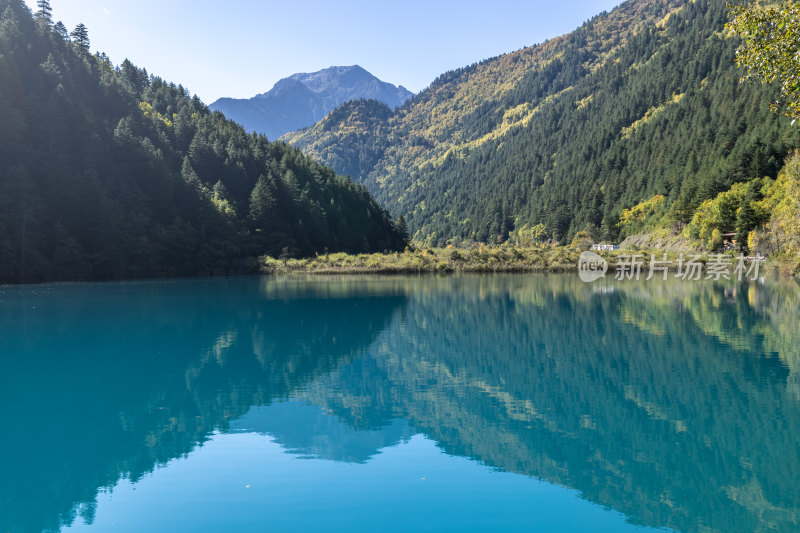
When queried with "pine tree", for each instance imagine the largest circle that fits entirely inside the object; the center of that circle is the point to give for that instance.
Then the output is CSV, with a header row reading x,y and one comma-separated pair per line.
x,y
262,200
50,67
10,32
220,190
746,219
61,30
89,189
402,229
188,173
45,14
80,36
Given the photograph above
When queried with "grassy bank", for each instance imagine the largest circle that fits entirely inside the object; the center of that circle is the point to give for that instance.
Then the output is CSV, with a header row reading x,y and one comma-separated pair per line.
x,y
432,260
502,258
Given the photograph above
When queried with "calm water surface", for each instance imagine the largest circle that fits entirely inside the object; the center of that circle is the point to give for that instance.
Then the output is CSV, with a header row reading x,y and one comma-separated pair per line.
x,y
478,403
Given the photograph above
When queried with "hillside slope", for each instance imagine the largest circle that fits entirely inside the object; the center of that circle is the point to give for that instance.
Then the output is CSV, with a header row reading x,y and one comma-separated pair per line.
x,y
641,101
303,99
112,173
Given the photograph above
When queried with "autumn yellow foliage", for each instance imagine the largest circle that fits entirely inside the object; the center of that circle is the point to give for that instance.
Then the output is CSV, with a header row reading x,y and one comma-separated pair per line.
x,y
152,114
633,220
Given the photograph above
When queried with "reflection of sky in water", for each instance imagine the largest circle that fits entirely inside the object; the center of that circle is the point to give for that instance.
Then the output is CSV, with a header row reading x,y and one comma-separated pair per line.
x,y
248,482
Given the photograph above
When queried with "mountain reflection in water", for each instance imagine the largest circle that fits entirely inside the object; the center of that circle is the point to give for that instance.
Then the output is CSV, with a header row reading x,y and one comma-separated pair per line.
x,y
677,404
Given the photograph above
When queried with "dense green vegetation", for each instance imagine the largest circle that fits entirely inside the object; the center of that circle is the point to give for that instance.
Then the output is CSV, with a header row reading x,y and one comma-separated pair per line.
x,y
506,257
779,236
110,172
353,137
640,102
771,40
481,258
760,216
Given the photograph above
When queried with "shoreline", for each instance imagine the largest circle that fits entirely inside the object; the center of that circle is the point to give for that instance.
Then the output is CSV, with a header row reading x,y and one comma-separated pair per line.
x,y
447,261
499,260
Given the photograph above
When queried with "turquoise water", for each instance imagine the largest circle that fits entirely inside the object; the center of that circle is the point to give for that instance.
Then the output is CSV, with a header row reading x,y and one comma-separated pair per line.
x,y
476,403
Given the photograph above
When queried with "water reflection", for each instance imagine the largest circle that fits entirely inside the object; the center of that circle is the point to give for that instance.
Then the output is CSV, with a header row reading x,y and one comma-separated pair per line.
x,y
99,382
677,404
673,403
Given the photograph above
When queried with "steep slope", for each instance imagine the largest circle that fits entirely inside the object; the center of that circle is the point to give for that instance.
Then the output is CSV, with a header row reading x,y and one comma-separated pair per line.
x,y
111,173
640,101
303,99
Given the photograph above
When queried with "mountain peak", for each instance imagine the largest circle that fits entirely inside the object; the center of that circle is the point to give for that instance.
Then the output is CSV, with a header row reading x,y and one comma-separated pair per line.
x,y
567,134
304,98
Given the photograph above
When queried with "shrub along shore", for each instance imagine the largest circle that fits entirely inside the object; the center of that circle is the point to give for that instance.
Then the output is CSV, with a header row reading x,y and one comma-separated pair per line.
x,y
503,258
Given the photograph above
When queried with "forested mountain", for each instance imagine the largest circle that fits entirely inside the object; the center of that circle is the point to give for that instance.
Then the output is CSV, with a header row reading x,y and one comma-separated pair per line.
x,y
303,99
642,101
111,172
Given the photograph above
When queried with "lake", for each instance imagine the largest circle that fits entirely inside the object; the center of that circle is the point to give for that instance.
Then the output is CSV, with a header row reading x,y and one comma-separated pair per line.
x,y
463,403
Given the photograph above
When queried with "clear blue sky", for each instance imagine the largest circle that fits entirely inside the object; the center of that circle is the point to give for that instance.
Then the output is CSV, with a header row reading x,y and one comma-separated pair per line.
x,y
240,48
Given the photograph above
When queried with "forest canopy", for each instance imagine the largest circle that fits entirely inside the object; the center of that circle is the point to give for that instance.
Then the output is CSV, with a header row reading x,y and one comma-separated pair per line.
x,y
111,172
567,136
770,49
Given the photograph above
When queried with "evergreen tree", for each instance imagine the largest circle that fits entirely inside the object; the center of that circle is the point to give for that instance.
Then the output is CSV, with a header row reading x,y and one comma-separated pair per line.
x,y
220,190
45,13
262,201
61,30
616,117
188,173
10,31
80,36
50,68
746,219
112,173
402,229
